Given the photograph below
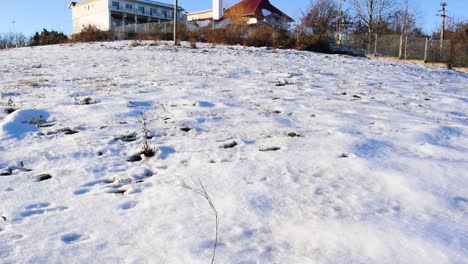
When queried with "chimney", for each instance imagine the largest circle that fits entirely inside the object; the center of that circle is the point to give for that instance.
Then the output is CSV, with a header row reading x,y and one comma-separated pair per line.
x,y
217,9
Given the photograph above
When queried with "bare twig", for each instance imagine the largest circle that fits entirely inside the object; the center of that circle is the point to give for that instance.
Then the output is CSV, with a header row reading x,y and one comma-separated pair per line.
x,y
200,190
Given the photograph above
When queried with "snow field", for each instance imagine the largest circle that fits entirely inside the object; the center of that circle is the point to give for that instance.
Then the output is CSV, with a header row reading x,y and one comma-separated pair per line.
x,y
337,159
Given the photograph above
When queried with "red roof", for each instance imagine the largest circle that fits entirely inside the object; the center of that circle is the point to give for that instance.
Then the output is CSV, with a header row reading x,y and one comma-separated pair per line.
x,y
248,7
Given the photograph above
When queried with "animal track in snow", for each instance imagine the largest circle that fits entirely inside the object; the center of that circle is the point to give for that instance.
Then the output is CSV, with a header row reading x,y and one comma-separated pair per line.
x,y
119,185
39,209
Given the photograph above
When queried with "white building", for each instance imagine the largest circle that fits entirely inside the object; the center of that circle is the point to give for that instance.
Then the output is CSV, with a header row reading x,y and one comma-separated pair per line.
x,y
108,14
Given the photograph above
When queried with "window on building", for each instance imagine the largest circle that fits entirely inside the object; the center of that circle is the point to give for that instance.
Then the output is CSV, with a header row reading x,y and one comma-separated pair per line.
x,y
153,11
129,6
115,5
164,12
141,9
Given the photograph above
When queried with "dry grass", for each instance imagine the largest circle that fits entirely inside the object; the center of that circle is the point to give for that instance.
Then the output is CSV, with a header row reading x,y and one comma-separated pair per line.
x,y
193,43
135,44
27,83
147,150
85,101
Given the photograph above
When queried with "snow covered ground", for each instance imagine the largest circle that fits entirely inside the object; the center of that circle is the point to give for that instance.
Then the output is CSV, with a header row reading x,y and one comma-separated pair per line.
x,y
338,159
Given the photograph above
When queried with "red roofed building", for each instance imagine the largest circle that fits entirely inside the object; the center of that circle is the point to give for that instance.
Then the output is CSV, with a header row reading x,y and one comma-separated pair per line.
x,y
250,12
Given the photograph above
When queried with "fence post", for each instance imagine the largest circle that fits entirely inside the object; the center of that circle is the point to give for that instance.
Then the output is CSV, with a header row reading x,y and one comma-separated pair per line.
x,y
136,24
451,54
406,46
375,45
400,51
425,50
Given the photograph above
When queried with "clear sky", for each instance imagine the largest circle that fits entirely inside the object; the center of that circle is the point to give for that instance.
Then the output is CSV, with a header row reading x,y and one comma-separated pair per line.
x,y
30,16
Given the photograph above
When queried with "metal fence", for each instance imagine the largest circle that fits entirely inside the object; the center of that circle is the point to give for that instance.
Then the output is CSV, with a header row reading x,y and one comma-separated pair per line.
x,y
395,46
159,27
406,48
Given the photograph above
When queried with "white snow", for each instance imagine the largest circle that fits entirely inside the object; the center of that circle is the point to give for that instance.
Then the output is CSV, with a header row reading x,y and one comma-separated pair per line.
x,y
338,159
21,122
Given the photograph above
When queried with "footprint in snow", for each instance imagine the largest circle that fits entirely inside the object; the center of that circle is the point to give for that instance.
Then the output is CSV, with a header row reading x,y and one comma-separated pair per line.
x,y
73,238
127,138
135,183
39,209
461,203
205,104
266,149
43,177
127,205
206,246
80,191
6,251
262,204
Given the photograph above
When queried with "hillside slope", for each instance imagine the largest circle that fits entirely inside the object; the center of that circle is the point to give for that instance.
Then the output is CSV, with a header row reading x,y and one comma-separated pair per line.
x,y
307,158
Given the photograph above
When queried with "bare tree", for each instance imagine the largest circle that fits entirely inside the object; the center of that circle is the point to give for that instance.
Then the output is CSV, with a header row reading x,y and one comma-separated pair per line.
x,y
401,22
372,14
321,17
405,24
11,40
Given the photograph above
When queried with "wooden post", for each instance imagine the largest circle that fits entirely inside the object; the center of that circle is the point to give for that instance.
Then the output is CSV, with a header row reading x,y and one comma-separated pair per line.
x,y
400,51
406,46
425,50
375,45
136,24
451,54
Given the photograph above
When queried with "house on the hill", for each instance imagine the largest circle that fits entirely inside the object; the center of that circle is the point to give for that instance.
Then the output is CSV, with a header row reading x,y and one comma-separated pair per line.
x,y
109,14
246,11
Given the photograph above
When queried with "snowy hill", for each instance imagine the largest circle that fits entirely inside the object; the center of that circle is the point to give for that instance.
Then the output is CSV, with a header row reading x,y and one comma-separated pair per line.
x,y
307,158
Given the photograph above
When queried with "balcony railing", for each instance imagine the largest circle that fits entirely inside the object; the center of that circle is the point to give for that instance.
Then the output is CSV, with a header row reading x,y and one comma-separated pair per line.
x,y
146,12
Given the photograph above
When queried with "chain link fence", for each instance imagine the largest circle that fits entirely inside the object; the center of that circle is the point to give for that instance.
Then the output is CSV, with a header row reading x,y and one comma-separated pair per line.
x,y
159,28
393,46
406,48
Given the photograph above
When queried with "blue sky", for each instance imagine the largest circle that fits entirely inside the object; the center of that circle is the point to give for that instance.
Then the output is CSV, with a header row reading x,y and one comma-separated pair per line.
x,y
33,15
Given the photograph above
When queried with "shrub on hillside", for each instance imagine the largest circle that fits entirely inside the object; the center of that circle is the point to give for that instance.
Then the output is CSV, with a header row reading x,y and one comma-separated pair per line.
x,y
91,33
260,36
234,34
48,38
215,36
312,43
230,35
282,39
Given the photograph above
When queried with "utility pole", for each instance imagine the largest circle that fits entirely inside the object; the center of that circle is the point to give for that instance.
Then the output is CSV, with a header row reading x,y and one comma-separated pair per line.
x,y
340,20
14,40
442,30
176,5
